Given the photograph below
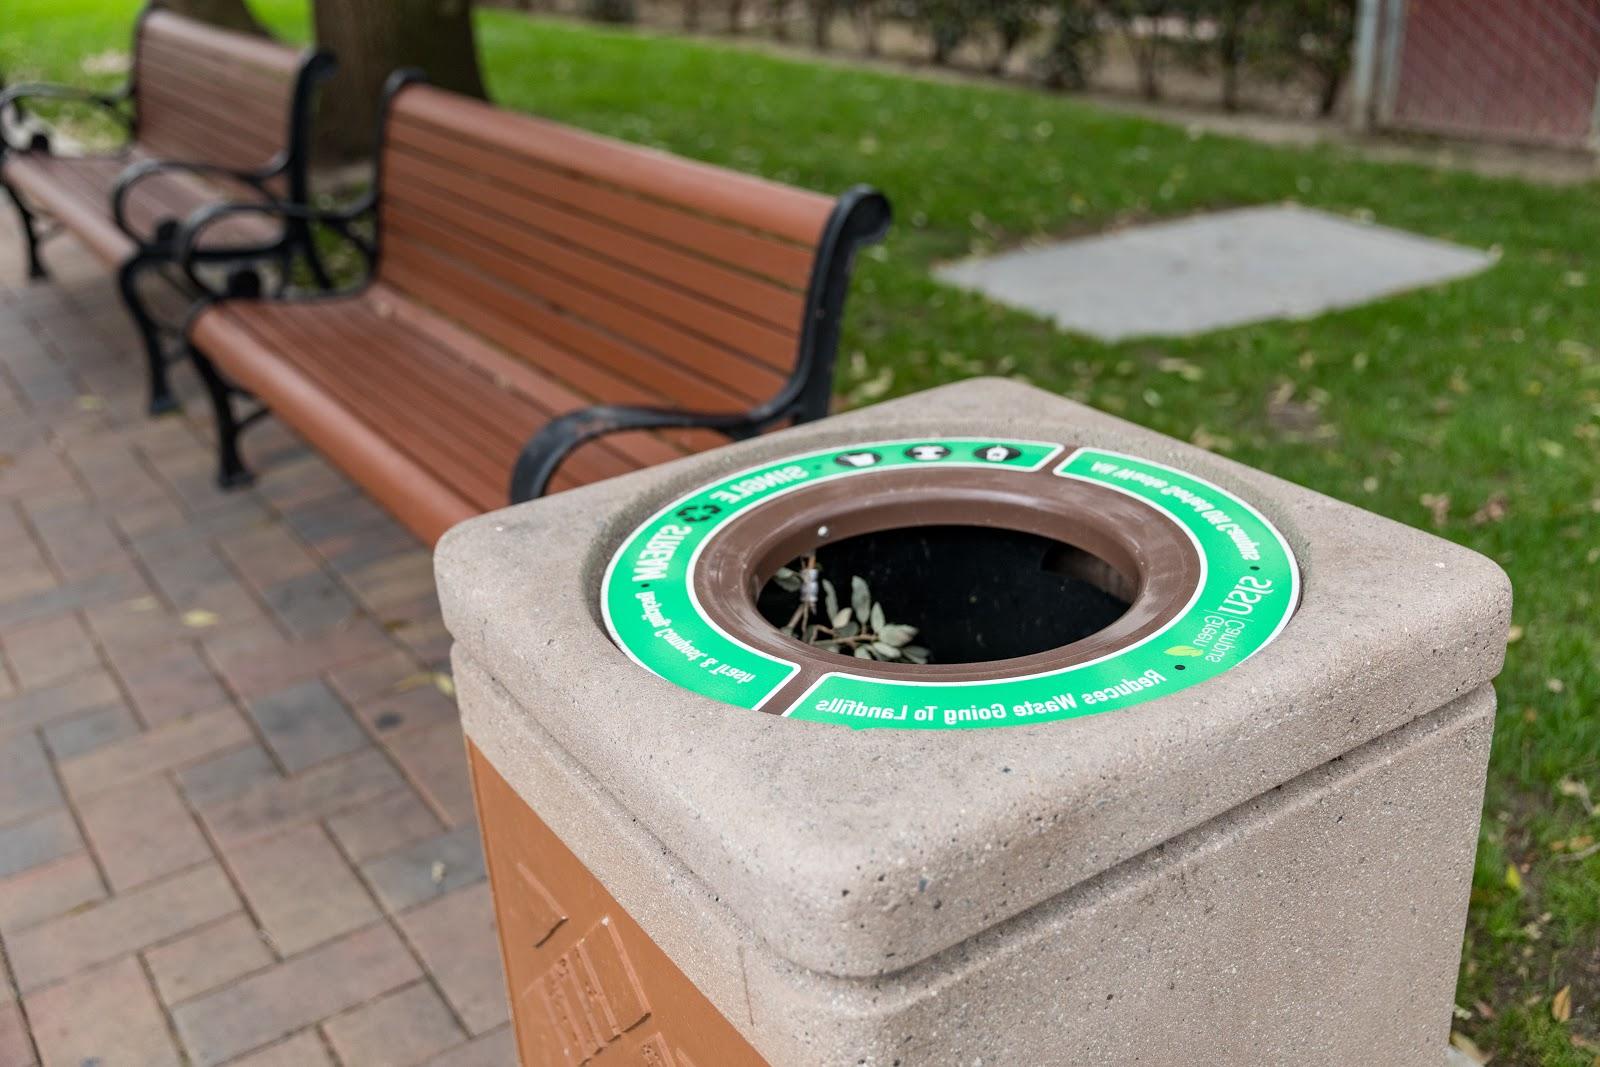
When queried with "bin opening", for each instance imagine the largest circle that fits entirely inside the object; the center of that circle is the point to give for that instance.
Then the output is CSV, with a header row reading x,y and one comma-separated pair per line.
x,y
974,593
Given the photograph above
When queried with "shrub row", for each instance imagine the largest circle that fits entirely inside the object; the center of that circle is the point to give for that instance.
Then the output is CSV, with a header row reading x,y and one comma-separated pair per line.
x,y
1268,41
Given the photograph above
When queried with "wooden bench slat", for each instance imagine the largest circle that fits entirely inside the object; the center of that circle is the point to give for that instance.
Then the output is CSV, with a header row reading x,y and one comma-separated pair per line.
x,y
204,100
168,114
190,35
539,387
755,203
438,432
745,342
432,403
575,372
758,254
358,449
413,178
635,450
76,189
273,77
442,378
711,370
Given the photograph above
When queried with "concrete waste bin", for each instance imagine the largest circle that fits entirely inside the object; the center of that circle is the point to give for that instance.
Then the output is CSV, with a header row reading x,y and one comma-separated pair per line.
x,y
1193,774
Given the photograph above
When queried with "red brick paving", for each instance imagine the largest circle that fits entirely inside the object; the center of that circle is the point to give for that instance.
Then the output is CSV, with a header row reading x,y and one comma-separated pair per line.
x,y
234,818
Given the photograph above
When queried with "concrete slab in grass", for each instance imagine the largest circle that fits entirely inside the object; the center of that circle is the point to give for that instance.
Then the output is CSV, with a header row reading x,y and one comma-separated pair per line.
x,y
1212,271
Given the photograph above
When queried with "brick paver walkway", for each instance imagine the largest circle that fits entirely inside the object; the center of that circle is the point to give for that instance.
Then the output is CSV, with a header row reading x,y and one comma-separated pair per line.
x,y
235,824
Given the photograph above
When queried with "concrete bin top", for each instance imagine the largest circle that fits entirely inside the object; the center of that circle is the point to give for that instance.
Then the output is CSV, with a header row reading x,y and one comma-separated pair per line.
x,y
856,853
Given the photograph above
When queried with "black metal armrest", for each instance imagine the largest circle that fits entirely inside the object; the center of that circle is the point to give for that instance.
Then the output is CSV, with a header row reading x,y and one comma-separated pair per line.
x,y
148,168
13,97
546,450
188,249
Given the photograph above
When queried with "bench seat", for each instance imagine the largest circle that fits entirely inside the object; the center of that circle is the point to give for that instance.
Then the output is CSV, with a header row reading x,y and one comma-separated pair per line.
x,y
76,191
212,117
401,398
546,308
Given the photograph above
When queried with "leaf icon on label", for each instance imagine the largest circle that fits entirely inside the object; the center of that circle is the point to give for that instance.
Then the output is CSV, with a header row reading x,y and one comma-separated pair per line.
x,y
1185,650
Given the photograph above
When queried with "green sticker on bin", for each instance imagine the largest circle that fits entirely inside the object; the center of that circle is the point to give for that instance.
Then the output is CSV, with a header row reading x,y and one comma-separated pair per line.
x,y
1247,589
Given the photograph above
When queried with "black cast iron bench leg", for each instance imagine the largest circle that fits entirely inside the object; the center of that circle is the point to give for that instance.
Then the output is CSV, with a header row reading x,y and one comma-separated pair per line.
x,y
231,471
162,399
30,236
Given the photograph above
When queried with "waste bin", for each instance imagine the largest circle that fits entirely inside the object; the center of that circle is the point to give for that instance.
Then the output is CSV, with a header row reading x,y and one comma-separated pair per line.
x,y
1191,773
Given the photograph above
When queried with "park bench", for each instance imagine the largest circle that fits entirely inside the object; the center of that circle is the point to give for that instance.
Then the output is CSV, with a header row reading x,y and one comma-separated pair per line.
x,y
535,288
212,116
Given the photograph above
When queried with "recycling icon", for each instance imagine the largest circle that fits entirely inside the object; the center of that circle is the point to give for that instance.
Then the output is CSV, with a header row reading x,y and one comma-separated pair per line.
x,y
698,512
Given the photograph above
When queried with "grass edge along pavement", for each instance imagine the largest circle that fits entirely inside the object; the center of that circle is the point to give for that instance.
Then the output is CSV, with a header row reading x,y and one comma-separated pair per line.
x,y
1472,409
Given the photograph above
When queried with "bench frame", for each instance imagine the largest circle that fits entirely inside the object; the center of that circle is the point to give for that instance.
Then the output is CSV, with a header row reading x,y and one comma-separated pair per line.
x,y
860,217
160,249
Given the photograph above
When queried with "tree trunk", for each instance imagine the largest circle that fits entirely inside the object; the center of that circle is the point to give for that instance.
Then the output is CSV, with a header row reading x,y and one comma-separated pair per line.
x,y
735,15
1332,82
373,38
1230,48
229,14
867,19
780,19
1147,57
822,24
691,14
1008,38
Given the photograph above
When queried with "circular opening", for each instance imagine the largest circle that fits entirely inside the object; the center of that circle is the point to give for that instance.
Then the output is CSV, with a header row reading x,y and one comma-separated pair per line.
x,y
973,594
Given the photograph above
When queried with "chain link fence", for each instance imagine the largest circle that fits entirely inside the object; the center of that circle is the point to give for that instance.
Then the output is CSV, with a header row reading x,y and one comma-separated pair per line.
x,y
1523,71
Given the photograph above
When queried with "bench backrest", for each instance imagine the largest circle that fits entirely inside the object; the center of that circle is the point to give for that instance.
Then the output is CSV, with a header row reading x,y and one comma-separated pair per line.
x,y
631,274
205,94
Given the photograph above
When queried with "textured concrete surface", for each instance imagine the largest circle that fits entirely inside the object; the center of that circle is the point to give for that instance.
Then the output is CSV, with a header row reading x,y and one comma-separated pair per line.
x,y
1213,271
518,592
1339,897
812,873
808,872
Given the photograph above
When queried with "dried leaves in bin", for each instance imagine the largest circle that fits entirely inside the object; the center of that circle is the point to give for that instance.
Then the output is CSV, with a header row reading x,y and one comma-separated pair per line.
x,y
859,629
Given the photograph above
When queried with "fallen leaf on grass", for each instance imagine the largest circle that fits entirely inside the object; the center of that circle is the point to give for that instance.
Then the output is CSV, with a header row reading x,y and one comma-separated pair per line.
x,y
1513,635
1438,505
1580,853
108,62
1573,844
1569,787
1189,372
1494,510
1465,1045
1513,877
1561,1005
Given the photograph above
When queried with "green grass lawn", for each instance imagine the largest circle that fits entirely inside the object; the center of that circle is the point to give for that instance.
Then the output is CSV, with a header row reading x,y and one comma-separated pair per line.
x,y
1472,410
